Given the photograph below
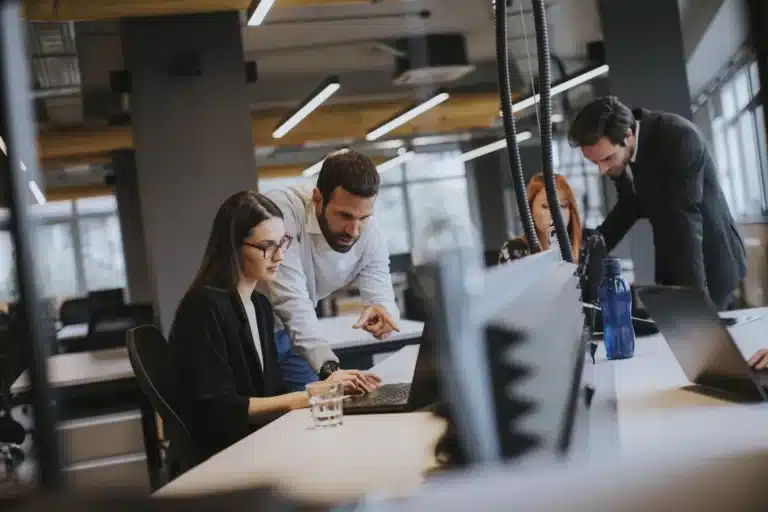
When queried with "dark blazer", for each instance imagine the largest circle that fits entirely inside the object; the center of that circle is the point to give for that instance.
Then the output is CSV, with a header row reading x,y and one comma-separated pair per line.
x,y
217,367
676,188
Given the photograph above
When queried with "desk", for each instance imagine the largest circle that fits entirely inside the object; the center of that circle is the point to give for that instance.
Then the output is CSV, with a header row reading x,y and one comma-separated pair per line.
x,y
359,349
654,420
355,347
82,368
72,331
369,453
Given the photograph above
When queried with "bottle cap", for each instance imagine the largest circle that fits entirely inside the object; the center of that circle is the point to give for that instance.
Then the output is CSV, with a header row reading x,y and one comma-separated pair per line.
x,y
611,267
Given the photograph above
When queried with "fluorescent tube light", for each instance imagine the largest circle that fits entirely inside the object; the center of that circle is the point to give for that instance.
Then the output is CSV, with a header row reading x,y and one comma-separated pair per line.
x,y
260,12
394,162
561,87
324,91
493,146
313,169
4,149
407,116
39,196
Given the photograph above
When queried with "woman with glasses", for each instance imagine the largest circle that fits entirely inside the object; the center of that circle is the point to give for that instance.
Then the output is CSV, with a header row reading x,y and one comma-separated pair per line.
x,y
226,370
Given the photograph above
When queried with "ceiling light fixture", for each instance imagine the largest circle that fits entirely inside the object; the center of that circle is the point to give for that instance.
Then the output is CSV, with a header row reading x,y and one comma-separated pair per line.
x,y
39,196
406,116
321,93
313,169
563,86
493,146
258,11
394,162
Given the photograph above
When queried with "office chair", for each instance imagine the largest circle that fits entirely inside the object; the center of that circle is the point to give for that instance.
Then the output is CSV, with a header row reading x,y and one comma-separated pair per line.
x,y
12,433
75,311
107,327
150,357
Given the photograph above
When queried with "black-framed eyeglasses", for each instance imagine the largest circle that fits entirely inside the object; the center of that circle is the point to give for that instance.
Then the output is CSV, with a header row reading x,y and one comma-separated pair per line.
x,y
269,248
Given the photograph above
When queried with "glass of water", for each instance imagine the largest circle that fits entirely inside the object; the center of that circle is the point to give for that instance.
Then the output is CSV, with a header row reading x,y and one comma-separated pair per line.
x,y
325,402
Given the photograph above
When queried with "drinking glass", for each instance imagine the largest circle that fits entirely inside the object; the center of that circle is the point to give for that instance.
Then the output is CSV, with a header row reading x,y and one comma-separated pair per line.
x,y
325,403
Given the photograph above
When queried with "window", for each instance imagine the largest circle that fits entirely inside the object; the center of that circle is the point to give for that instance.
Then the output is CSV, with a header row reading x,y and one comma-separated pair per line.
x,y
80,248
392,218
103,261
432,183
584,178
7,268
738,132
434,200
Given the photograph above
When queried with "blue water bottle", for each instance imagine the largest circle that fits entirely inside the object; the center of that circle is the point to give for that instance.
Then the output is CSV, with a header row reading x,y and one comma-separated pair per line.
x,y
616,304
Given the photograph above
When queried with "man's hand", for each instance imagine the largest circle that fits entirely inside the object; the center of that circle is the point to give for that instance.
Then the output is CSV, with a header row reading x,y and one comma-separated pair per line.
x,y
759,361
355,381
377,321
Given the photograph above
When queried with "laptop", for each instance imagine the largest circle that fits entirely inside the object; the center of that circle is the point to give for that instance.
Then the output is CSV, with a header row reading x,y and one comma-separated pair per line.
x,y
702,344
403,397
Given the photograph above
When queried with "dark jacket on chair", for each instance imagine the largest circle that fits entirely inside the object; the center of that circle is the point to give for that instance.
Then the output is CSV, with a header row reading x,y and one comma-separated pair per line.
x,y
217,367
675,187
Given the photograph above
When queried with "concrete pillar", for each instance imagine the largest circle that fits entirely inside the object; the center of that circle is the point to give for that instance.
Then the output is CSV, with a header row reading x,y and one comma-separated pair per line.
x,y
644,49
192,136
140,282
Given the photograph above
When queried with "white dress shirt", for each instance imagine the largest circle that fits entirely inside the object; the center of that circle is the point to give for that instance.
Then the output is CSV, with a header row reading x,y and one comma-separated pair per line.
x,y
250,313
312,271
630,174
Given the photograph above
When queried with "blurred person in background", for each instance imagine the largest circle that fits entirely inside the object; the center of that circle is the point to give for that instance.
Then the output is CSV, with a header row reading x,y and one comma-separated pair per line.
x,y
542,219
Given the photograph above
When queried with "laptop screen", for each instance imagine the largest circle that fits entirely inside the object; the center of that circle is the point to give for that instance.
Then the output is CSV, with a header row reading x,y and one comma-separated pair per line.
x,y
698,339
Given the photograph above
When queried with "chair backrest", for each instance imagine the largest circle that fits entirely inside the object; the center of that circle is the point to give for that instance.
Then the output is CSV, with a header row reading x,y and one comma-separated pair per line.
x,y
75,311
107,327
150,358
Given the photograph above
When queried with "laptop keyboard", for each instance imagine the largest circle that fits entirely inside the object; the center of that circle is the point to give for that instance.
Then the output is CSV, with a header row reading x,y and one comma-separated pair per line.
x,y
389,394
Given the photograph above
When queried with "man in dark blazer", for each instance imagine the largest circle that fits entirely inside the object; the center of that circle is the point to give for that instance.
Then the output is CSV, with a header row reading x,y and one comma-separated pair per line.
x,y
664,171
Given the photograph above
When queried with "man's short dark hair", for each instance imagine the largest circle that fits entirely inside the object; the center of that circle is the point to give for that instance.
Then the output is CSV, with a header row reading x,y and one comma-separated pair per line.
x,y
604,117
350,170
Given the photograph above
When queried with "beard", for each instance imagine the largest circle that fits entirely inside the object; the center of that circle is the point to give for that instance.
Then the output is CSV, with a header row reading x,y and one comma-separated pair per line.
x,y
339,242
616,172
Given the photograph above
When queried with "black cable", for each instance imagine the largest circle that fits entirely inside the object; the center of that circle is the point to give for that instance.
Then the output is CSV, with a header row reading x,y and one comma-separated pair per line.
x,y
545,126
510,131
563,73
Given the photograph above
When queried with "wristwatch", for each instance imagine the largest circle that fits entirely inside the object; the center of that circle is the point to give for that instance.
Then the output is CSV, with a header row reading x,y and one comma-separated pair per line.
x,y
327,369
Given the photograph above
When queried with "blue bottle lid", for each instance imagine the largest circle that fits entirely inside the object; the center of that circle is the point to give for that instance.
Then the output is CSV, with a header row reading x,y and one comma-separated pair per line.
x,y
611,267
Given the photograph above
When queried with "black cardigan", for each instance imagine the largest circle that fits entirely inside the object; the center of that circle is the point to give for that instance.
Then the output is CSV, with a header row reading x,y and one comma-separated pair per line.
x,y
216,366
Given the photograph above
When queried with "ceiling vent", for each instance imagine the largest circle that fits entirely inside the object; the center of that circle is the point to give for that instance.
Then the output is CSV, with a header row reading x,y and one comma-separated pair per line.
x,y
430,60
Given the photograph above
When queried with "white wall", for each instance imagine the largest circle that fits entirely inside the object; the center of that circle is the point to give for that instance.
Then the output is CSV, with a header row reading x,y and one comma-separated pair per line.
x,y
727,32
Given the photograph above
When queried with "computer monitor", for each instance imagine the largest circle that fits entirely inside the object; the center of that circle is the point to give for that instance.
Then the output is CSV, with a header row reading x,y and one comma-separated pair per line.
x,y
466,297
536,350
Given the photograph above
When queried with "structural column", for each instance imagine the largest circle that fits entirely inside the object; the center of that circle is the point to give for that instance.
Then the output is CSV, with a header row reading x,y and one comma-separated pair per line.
x,y
486,181
140,286
192,137
644,49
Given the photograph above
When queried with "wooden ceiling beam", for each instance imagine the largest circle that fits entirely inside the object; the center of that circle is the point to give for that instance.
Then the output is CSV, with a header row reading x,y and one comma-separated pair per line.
x,y
462,112
317,3
91,10
293,170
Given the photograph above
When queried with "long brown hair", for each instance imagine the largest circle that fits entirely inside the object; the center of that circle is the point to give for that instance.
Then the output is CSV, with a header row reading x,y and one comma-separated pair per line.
x,y
237,215
564,191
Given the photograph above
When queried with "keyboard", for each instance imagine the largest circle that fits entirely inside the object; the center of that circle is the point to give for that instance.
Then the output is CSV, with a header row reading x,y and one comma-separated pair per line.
x,y
388,394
